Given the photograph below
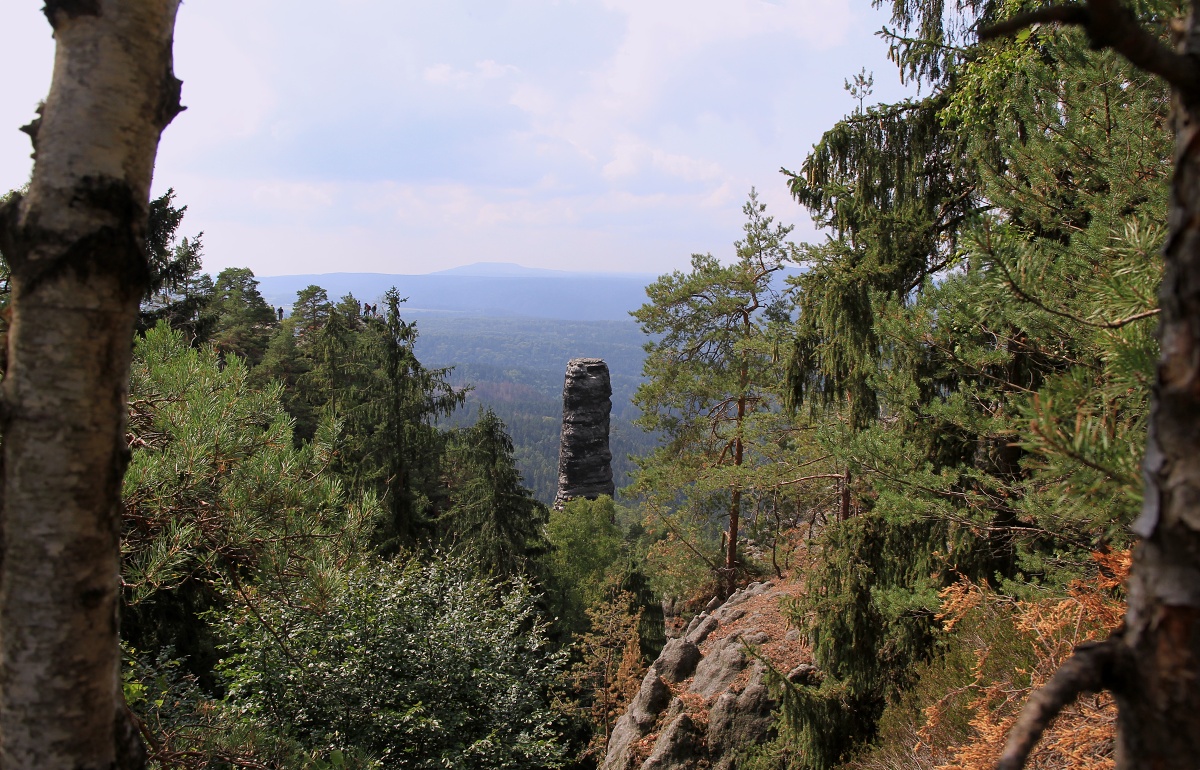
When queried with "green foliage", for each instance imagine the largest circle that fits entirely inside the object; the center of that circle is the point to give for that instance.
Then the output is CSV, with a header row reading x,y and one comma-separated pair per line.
x,y
610,667
489,513
418,665
711,391
176,292
892,187
977,336
241,320
394,423
238,534
680,555
587,557
186,728
869,617
337,363
217,497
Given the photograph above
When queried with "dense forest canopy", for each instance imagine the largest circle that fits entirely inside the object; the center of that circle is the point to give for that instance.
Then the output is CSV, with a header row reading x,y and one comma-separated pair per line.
x,y
936,427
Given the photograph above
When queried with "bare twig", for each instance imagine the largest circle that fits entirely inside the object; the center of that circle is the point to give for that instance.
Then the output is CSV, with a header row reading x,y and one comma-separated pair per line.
x,y
812,478
1091,669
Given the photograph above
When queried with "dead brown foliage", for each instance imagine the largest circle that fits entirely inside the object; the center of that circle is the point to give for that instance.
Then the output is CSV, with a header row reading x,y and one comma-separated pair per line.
x,y
1083,735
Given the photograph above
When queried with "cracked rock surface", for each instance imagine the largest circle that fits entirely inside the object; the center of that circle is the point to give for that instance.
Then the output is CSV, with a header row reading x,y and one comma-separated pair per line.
x,y
584,457
705,700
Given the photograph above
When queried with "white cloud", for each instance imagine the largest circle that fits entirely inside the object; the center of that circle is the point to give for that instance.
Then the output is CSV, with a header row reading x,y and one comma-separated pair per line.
x,y
446,75
296,197
608,120
490,70
621,133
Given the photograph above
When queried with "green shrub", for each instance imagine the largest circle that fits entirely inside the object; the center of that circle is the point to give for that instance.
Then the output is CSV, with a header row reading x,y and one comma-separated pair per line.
x,y
416,665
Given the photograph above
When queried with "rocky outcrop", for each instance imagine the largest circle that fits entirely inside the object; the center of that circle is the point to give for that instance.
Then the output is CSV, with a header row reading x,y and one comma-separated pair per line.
x,y
584,459
705,700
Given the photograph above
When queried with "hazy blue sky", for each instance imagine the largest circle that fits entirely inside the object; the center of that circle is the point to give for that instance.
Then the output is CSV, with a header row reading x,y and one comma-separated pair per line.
x,y
405,137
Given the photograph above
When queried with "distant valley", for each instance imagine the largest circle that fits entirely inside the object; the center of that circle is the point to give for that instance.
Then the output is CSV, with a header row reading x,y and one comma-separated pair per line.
x,y
509,331
516,366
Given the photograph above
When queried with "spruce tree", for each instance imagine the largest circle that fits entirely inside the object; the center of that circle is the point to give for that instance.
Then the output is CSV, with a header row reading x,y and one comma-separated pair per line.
x,y
490,513
176,292
977,337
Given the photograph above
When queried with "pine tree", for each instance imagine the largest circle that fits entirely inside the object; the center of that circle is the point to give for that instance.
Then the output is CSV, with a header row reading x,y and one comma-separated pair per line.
x,y
709,372
242,321
220,506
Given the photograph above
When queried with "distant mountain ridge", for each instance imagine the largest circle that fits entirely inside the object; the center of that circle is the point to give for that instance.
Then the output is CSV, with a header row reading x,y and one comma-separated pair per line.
x,y
486,288
502,270
513,270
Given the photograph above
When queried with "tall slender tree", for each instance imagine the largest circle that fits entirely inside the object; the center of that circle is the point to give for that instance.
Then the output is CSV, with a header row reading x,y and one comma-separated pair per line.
x,y
491,514
76,245
709,370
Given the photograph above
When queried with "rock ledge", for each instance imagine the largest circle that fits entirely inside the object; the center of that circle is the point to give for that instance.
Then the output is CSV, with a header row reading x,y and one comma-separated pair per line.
x,y
705,699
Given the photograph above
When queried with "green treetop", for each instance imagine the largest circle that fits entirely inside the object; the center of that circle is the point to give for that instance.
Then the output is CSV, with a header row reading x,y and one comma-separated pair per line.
x,y
709,372
242,320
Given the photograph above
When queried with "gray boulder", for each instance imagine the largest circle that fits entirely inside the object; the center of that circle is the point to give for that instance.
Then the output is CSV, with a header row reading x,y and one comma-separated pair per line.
x,y
637,722
705,700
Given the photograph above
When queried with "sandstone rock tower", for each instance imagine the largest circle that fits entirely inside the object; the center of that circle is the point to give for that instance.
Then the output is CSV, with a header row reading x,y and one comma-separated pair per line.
x,y
584,459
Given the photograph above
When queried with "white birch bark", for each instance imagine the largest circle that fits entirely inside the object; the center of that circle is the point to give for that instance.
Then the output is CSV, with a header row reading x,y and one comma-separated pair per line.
x,y
76,247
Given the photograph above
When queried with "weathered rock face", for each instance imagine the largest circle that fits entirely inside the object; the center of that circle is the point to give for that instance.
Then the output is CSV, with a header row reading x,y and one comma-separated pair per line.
x,y
584,459
705,700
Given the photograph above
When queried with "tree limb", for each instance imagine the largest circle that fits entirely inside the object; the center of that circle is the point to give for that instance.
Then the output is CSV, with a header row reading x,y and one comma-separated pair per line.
x,y
812,478
1091,669
1025,296
1109,24
1075,15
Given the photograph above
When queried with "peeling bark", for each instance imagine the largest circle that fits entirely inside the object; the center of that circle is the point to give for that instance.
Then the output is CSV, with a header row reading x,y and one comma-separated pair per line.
x,y
76,247
1152,664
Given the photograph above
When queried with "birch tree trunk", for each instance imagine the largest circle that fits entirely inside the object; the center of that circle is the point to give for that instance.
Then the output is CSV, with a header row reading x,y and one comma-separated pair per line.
x,y
76,247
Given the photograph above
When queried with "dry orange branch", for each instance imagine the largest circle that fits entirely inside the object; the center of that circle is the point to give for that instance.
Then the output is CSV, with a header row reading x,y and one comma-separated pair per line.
x,y
1083,735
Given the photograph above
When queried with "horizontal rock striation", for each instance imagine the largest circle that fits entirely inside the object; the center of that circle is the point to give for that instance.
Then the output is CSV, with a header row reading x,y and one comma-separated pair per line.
x,y
584,459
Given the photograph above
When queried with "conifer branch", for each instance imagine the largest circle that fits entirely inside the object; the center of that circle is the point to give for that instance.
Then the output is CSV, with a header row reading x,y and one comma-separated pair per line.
x,y
812,478
665,519
1091,668
1109,24
1025,296
1075,15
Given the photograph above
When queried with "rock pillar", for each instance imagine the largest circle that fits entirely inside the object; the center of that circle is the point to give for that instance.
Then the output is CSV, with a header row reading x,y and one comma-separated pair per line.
x,y
584,459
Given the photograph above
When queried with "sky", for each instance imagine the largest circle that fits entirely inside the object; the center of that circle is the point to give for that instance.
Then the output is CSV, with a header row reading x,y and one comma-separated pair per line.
x,y
406,137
